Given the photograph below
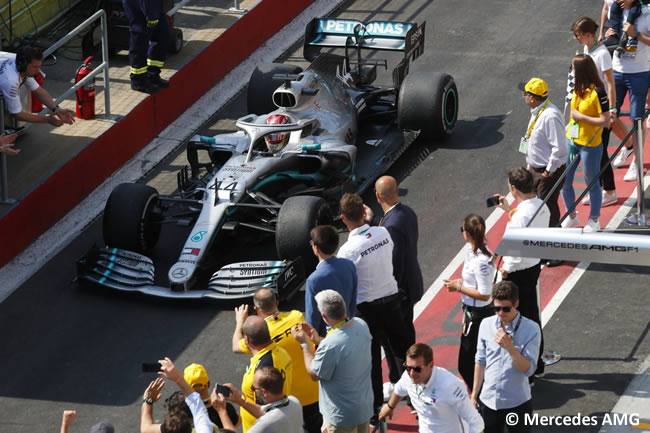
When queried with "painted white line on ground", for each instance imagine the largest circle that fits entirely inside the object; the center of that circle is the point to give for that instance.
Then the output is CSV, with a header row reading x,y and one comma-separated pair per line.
x,y
580,269
634,401
28,262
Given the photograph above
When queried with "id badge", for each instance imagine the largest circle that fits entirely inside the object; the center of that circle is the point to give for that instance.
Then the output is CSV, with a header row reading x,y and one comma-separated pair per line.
x,y
574,130
523,145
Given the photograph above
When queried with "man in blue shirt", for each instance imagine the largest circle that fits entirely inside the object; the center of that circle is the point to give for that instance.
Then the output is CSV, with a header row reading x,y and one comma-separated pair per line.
x,y
342,364
331,273
506,356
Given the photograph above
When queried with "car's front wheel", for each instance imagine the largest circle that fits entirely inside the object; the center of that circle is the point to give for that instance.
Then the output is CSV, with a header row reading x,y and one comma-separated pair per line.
x,y
297,216
130,220
428,102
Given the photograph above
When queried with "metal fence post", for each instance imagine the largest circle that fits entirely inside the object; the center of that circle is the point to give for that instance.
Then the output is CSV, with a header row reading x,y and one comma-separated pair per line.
x,y
4,195
237,9
639,219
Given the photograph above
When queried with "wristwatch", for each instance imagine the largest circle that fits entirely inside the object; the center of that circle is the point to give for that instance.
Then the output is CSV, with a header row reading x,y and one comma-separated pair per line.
x,y
147,400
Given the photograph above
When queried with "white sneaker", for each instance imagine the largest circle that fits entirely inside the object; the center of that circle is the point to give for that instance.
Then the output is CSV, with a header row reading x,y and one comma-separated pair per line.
x,y
570,222
591,226
586,200
622,157
630,175
609,199
647,121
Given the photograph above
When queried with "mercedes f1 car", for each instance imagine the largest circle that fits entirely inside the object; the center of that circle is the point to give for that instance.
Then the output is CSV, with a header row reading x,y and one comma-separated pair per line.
x,y
310,136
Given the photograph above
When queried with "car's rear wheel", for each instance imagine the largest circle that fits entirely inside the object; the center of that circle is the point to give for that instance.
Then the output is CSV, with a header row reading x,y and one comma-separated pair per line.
x,y
262,85
297,216
428,102
130,220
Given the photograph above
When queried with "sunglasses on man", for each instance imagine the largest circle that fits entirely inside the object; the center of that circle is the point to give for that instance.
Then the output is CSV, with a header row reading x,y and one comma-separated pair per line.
x,y
504,309
417,369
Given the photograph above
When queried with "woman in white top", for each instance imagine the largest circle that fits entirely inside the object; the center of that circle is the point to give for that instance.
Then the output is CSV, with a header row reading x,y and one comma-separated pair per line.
x,y
584,30
476,292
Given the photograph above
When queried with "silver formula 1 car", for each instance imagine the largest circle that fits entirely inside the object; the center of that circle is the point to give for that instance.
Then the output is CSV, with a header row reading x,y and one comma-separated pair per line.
x,y
311,135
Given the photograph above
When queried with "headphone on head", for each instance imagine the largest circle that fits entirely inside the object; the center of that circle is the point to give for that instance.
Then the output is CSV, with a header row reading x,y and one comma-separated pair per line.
x,y
21,60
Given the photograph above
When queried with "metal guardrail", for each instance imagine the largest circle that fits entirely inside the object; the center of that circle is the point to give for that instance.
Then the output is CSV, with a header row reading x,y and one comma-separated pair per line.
x,y
103,67
640,218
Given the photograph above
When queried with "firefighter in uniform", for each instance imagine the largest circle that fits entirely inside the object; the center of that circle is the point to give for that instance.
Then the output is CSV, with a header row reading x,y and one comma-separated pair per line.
x,y
148,43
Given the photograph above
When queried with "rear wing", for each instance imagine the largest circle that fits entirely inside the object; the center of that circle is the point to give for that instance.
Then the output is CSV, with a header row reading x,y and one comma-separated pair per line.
x,y
375,35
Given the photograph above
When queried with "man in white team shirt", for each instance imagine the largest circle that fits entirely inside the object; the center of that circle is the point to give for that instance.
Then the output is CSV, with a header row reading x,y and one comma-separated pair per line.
x,y
378,300
524,271
438,396
22,70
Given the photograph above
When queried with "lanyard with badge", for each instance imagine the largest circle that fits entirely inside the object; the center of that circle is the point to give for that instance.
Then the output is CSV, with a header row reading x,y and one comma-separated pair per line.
x,y
523,144
337,326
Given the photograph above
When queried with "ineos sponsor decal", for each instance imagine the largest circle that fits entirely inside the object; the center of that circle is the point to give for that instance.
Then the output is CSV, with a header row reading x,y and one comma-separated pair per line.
x,y
375,247
578,246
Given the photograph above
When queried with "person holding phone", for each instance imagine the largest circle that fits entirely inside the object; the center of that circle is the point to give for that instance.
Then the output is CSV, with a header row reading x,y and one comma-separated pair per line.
x,y
197,377
506,356
524,271
589,114
475,288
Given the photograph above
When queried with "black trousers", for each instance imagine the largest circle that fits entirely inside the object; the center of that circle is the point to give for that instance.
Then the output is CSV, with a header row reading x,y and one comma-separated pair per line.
x,y
469,339
543,186
607,178
394,370
495,420
384,318
526,281
312,420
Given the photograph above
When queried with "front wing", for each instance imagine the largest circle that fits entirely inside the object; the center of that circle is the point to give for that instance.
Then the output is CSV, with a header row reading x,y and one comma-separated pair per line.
x,y
132,272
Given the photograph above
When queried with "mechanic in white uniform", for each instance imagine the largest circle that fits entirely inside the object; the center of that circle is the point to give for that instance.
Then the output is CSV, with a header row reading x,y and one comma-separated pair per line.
x,y
475,288
22,70
438,396
378,300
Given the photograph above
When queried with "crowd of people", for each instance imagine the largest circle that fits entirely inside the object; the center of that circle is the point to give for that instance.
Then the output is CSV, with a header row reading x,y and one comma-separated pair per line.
x,y
322,369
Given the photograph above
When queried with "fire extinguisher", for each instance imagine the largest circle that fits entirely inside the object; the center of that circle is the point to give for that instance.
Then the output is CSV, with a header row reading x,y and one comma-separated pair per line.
x,y
85,94
37,105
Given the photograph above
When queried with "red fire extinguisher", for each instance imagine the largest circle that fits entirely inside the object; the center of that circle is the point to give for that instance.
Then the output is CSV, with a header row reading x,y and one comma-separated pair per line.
x,y
37,105
85,94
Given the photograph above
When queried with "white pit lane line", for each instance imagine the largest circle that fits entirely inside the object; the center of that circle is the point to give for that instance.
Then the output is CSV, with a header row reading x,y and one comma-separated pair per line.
x,y
50,243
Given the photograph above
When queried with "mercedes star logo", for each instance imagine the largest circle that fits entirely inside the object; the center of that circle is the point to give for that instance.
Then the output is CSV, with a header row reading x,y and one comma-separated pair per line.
x,y
179,273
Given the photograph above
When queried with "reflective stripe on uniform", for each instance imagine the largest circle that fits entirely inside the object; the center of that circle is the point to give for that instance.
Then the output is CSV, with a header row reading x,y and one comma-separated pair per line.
x,y
156,63
138,71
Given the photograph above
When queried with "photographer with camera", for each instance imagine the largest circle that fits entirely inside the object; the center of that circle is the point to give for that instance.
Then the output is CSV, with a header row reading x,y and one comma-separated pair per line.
x,y
524,271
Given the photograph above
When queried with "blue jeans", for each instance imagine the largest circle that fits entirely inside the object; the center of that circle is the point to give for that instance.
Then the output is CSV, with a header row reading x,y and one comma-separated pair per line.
x,y
590,157
637,84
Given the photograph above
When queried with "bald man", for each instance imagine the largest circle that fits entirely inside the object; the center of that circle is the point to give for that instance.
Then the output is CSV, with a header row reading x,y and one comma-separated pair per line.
x,y
402,224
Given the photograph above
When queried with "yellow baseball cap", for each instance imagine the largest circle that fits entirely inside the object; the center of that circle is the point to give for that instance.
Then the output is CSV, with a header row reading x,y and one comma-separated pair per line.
x,y
196,376
536,86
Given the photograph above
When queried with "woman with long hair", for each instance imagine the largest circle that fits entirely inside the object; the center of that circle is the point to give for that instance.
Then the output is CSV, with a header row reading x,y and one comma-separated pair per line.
x,y
475,288
584,31
589,113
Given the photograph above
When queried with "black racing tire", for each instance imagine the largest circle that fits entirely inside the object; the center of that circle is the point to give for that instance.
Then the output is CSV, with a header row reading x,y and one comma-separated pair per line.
x,y
262,85
129,218
176,41
428,102
297,216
